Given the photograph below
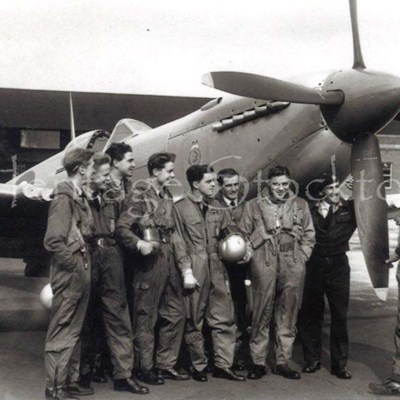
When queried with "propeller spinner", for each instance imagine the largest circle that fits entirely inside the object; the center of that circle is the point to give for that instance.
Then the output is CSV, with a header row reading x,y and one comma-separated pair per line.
x,y
355,103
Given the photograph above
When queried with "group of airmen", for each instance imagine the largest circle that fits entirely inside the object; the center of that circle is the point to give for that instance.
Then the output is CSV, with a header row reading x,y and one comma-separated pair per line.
x,y
135,274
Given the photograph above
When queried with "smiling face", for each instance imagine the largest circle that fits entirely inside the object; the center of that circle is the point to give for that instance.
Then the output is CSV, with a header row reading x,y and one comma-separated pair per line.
x,y
279,186
166,174
230,187
126,165
100,177
331,193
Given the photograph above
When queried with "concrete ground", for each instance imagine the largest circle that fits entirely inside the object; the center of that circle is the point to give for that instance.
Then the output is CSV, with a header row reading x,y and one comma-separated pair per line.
x,y
371,325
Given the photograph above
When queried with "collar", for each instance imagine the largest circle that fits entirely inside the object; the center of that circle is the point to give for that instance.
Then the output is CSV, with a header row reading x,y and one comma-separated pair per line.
x,y
228,201
323,207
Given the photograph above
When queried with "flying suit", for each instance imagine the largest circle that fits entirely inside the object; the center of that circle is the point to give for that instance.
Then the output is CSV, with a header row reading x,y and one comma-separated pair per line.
x,y
157,286
195,244
109,300
282,236
68,230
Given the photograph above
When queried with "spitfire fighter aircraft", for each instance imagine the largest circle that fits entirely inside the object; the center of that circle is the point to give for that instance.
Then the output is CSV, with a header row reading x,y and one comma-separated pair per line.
x,y
266,122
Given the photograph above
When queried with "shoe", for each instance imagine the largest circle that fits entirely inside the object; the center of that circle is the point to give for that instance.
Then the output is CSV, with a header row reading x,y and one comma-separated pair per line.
x,y
85,380
227,373
129,385
61,394
173,374
388,388
200,376
285,371
151,377
341,373
257,372
78,390
311,367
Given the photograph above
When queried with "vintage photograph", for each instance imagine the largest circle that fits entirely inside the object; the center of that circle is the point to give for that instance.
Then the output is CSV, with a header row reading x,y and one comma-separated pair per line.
x,y
199,200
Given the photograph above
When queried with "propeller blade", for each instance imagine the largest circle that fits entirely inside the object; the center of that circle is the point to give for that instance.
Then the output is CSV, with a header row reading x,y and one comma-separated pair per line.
x,y
371,210
263,87
358,58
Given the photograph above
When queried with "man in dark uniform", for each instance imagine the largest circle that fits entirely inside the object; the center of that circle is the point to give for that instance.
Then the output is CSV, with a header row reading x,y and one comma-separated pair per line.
x,y
199,222
68,230
229,198
328,274
145,227
280,229
108,279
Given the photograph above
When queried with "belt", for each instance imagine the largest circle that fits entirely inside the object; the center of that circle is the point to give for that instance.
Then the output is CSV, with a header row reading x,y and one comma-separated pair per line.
x,y
102,242
286,246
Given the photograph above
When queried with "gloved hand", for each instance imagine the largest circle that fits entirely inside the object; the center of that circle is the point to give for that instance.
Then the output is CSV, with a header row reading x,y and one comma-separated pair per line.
x,y
144,247
189,281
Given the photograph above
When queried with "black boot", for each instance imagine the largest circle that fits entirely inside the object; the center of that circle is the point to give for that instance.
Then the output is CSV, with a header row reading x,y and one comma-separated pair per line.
x,y
130,385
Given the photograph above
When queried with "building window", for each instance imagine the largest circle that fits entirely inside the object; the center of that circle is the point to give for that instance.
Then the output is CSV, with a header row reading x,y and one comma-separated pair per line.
x,y
387,174
40,139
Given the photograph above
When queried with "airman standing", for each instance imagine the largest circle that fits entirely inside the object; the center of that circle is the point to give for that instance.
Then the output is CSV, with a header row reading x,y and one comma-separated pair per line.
x,y
281,232
68,231
198,225
145,227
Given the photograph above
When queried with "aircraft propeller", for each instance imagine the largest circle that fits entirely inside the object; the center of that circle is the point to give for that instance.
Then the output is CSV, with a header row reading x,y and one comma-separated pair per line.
x,y
356,104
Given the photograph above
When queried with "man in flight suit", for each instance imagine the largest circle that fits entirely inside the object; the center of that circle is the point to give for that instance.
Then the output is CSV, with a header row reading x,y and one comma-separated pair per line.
x,y
145,227
328,273
199,222
95,354
68,229
230,197
391,387
281,232
108,279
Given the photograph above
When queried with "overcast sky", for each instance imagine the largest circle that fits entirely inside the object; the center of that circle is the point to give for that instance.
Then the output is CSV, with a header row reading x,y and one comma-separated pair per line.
x,y
163,47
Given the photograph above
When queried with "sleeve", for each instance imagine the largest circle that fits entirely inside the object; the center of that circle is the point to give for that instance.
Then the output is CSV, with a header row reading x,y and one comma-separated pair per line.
x,y
180,248
246,223
58,228
130,214
307,240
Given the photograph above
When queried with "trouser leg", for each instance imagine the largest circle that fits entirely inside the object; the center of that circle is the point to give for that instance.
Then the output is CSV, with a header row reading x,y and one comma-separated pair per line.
x,y
263,278
71,297
172,320
237,275
289,294
312,310
220,315
337,285
115,311
150,283
195,305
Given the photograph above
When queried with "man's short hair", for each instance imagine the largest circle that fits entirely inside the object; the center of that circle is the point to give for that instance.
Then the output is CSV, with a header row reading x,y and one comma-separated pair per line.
x,y
100,159
226,173
117,151
76,158
279,170
158,161
195,173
